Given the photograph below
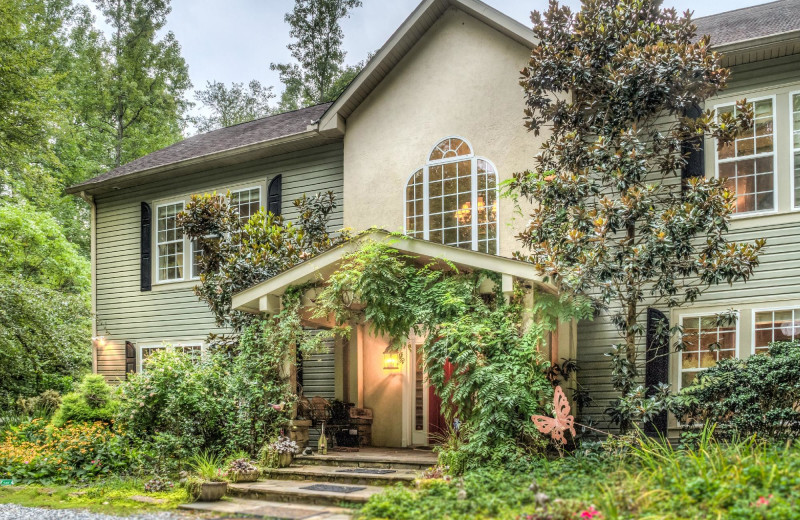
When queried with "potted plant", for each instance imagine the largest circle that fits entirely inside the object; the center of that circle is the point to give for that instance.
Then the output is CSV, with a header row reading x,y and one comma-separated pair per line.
x,y
284,448
208,484
242,470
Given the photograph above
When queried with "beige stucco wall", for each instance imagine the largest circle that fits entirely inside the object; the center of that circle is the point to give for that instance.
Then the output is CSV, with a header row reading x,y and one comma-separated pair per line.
x,y
383,393
461,79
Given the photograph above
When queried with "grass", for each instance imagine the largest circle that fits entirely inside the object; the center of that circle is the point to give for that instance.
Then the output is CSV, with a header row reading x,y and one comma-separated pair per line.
x,y
111,497
744,480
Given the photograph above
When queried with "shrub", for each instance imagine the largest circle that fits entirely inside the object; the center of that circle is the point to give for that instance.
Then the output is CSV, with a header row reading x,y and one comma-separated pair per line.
x,y
36,452
42,405
92,402
758,395
178,405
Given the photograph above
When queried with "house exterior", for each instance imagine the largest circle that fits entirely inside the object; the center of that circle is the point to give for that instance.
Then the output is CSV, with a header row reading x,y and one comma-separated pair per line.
x,y
418,143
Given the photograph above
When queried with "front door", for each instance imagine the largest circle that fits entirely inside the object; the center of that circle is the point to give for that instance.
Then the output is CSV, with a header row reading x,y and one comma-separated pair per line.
x,y
437,424
420,398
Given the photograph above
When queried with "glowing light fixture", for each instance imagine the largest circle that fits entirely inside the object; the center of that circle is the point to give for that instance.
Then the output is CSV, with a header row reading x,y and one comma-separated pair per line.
x,y
391,360
99,341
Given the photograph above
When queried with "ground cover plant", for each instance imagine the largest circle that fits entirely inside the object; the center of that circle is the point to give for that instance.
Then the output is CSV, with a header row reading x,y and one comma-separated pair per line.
x,y
627,479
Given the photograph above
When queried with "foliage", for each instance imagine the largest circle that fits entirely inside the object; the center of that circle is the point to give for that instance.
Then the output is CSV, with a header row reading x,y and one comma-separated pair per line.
x,y
91,403
238,255
284,445
42,405
498,377
241,465
113,496
757,395
232,105
45,314
157,485
36,452
742,480
208,466
612,219
178,405
318,74
140,99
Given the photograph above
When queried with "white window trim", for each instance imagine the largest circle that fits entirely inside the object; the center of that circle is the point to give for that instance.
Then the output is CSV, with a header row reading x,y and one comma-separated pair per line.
x,y
156,257
774,152
474,194
766,309
167,345
698,315
794,206
188,246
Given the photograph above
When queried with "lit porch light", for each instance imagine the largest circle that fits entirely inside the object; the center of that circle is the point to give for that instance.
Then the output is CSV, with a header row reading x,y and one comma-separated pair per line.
x,y
391,360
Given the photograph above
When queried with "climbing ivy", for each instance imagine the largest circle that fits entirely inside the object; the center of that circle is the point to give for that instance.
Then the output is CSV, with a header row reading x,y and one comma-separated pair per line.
x,y
493,345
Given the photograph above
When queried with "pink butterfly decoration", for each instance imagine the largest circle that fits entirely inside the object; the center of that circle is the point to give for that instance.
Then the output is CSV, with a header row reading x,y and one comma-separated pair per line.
x,y
563,421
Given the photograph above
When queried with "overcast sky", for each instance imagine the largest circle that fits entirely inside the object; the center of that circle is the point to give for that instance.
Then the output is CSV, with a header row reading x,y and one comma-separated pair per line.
x,y
235,40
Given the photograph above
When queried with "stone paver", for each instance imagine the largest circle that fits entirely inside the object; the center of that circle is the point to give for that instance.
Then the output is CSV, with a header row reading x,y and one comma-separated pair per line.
x,y
336,474
292,491
267,509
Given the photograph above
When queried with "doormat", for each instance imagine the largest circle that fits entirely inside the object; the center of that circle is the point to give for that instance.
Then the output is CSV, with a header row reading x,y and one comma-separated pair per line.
x,y
367,471
333,488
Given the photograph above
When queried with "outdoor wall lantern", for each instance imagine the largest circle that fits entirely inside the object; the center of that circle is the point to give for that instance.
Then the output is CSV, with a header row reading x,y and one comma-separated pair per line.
x,y
391,360
99,341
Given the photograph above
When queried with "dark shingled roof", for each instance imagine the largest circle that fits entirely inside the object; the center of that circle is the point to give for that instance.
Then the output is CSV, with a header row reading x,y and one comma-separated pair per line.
x,y
216,141
750,22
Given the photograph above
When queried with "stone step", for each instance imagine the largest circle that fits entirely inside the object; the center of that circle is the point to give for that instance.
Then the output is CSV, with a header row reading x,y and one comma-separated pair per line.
x,y
389,459
344,475
295,492
265,509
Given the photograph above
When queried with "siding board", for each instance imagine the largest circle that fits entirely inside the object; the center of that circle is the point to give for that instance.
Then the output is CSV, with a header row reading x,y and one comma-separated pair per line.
x,y
171,312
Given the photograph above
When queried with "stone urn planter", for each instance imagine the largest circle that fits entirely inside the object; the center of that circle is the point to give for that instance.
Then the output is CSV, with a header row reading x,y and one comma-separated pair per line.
x,y
212,491
285,460
245,476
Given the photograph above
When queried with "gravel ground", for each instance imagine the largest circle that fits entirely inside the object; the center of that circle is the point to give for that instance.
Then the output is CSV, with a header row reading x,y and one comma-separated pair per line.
x,y
15,512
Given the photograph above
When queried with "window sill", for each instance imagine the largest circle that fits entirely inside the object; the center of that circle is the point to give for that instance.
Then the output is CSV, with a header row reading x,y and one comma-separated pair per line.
x,y
175,285
751,220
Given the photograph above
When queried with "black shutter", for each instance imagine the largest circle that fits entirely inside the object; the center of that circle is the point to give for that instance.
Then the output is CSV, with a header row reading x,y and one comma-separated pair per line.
x,y
693,149
657,363
130,358
145,248
274,193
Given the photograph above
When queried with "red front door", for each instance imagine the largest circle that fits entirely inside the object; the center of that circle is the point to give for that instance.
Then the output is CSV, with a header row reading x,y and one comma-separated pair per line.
x,y
437,424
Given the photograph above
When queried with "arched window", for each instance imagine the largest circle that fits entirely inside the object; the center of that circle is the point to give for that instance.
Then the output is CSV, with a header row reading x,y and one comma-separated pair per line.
x,y
453,198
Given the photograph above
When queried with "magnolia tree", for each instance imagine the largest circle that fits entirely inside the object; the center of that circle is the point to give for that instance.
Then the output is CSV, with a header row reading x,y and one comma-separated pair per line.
x,y
614,85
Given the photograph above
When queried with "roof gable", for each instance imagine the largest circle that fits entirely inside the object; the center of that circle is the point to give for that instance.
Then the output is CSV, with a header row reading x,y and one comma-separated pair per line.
x,y
401,42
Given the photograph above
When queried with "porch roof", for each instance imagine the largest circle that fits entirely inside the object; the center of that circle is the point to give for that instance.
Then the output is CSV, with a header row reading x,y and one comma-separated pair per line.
x,y
265,296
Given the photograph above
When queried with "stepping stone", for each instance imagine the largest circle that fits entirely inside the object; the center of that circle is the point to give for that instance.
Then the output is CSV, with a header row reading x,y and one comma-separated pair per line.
x,y
297,492
265,509
367,471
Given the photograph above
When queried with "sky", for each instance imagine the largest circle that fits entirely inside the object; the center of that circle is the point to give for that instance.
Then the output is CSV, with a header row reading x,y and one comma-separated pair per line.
x,y
236,40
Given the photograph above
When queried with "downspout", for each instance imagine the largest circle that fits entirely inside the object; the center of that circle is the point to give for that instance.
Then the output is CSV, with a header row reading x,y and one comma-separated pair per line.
x,y
93,261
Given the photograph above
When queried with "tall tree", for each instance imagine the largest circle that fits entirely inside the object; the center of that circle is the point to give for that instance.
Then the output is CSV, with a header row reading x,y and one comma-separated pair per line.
x,y
234,105
316,77
142,97
613,220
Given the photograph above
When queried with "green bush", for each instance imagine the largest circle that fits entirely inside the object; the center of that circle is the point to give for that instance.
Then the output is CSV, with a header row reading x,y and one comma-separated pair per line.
x,y
178,405
757,395
92,402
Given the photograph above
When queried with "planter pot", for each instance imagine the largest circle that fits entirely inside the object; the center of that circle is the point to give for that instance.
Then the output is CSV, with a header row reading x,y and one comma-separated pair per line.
x,y
245,476
284,460
212,491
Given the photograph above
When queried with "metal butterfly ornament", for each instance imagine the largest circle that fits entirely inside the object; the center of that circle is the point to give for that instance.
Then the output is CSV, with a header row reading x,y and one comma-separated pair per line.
x,y
563,421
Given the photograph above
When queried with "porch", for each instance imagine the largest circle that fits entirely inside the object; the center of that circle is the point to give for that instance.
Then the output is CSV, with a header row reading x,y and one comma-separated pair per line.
x,y
405,410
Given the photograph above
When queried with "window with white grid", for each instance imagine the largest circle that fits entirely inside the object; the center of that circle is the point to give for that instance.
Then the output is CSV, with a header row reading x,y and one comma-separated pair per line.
x,y
775,325
246,202
706,341
169,242
452,200
747,166
195,350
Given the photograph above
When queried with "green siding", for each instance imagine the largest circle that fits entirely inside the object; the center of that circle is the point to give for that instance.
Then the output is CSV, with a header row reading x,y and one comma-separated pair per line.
x,y
776,282
171,312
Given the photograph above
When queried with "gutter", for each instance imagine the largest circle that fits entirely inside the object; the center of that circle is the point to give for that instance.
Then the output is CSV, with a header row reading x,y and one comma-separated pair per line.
x,y
93,262
310,132
755,43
